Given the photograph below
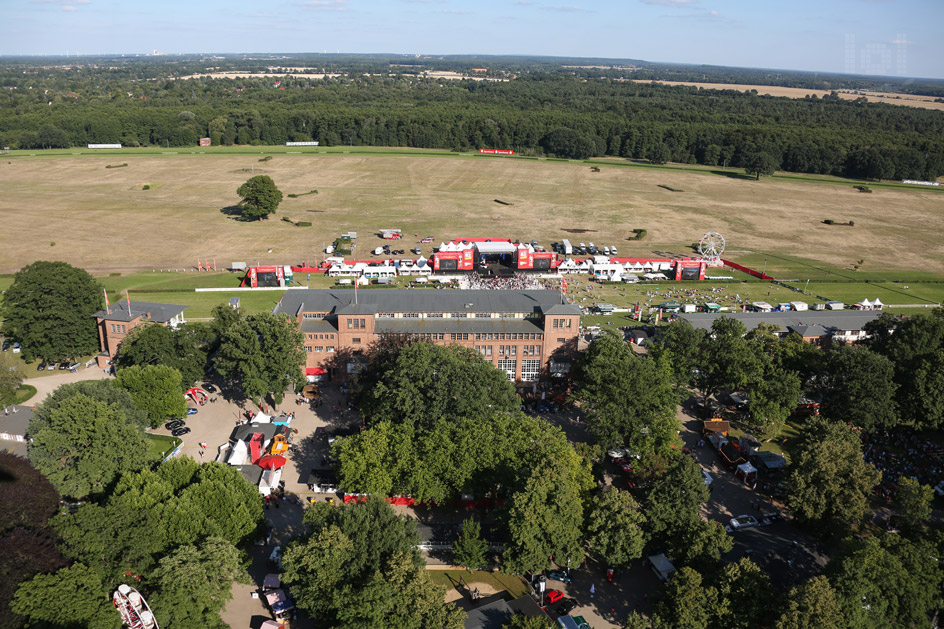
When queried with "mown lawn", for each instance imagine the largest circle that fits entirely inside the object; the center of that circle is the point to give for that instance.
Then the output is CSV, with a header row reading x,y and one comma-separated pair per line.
x,y
161,445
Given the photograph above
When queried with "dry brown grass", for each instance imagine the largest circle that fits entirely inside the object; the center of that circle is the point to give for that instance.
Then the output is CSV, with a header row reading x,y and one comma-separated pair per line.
x,y
102,220
907,100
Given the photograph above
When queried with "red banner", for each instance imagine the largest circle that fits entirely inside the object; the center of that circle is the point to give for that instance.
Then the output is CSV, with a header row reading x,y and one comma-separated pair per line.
x,y
497,151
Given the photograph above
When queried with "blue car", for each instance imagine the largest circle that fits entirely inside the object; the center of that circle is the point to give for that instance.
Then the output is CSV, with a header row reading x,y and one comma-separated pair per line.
x,y
559,575
191,411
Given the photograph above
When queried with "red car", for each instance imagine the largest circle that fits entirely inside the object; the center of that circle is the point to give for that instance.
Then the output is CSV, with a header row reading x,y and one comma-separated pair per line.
x,y
552,596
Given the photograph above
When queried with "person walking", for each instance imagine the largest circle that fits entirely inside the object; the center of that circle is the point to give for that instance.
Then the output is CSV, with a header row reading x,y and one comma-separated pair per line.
x,y
593,590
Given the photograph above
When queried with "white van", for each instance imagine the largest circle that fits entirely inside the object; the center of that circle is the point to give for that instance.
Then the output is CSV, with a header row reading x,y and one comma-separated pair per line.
x,y
378,251
606,250
329,249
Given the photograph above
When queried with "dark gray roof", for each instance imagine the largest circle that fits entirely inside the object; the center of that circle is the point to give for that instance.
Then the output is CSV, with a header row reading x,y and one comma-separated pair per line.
x,y
252,473
527,606
494,615
160,313
449,326
807,331
244,432
317,325
561,309
16,420
846,320
420,300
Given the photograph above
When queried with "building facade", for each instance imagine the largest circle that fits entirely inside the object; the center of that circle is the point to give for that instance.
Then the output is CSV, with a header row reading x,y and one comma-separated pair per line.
x,y
116,321
526,334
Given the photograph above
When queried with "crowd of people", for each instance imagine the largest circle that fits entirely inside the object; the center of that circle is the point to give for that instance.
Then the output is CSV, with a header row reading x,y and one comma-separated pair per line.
x,y
900,452
518,281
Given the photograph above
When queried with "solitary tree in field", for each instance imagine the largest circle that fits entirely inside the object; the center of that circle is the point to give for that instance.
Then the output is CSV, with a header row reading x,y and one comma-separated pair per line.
x,y
760,163
260,197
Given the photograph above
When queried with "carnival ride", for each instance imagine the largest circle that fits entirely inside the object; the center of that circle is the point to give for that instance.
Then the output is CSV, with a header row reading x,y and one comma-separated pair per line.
x,y
134,610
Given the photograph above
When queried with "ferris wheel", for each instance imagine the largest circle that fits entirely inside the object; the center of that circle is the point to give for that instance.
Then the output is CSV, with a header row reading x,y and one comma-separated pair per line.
x,y
711,245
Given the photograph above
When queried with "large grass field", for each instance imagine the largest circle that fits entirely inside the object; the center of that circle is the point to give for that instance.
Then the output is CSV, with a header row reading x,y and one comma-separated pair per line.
x,y
73,208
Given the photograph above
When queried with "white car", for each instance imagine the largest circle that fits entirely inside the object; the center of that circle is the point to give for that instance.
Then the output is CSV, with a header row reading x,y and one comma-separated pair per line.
x,y
16,348
741,522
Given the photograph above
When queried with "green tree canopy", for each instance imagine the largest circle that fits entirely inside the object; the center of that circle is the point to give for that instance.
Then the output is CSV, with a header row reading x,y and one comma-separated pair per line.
x,y
884,577
829,482
182,349
913,501
83,444
194,583
358,566
673,499
760,163
687,602
72,597
630,397
772,399
470,549
614,528
746,594
699,544
262,355
728,360
545,519
681,343
424,382
812,605
567,143
155,390
260,197
106,391
859,387
50,310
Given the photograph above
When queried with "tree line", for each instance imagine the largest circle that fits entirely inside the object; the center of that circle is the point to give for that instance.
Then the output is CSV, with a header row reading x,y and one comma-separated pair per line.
x,y
536,113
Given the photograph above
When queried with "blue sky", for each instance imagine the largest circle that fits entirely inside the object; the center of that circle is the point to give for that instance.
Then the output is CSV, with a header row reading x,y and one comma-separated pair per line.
x,y
893,37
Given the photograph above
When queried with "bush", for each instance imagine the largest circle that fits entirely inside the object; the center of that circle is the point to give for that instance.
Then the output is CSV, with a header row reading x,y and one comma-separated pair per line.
x,y
287,219
638,234
303,224
829,221
863,188
266,158
116,165
851,223
146,187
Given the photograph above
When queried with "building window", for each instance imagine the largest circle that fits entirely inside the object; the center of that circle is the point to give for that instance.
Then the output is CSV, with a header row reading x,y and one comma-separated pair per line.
x,y
434,315
459,315
508,366
514,350
561,340
411,315
330,349
355,340
319,348
488,350
530,370
314,315
385,315
308,348
556,323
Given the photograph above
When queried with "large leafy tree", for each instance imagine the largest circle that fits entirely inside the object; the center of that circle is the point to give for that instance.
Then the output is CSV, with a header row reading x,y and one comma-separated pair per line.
x,y
106,391
358,566
681,344
699,544
614,528
260,196
631,399
72,597
746,594
424,382
728,360
262,355
470,548
545,520
687,603
183,349
812,605
772,398
884,577
83,444
49,309
673,499
859,387
760,163
194,583
913,502
829,482
155,390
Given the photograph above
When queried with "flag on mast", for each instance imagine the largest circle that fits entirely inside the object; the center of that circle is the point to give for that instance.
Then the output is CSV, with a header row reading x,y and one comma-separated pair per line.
x,y
128,296
107,305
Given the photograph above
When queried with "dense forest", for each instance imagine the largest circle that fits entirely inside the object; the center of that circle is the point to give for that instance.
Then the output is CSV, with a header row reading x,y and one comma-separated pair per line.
x,y
537,108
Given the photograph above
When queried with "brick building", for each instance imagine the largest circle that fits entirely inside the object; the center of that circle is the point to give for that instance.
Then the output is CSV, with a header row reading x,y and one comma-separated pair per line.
x,y
526,334
117,320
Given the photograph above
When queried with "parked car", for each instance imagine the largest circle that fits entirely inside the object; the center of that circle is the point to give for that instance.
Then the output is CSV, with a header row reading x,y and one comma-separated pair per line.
x,y
180,432
51,366
741,522
427,240
74,366
16,348
209,388
552,596
6,345
174,424
64,365
191,411
559,575
567,605
41,367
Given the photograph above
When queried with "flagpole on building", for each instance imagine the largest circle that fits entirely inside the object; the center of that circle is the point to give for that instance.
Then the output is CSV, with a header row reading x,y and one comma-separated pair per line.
x,y
107,305
128,296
